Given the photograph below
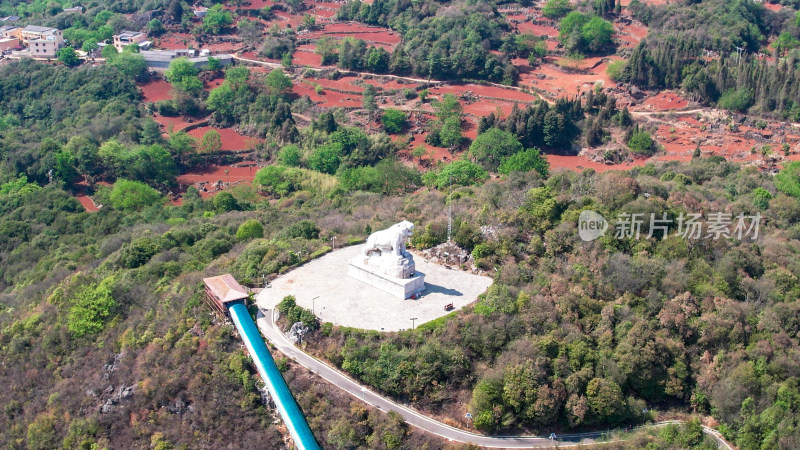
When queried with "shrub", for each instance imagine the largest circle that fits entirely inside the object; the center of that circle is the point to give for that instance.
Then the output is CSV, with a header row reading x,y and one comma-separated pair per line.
x,y
305,229
92,305
130,195
490,147
290,155
525,161
788,179
641,142
736,99
393,121
460,173
250,229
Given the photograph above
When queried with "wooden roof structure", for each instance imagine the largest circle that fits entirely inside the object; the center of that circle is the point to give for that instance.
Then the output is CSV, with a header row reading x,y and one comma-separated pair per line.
x,y
224,289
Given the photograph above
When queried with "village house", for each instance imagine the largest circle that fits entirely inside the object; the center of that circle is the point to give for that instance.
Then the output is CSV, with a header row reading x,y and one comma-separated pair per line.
x,y
126,38
42,42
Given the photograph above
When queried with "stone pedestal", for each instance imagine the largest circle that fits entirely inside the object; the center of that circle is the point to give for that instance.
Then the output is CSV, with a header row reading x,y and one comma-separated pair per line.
x,y
399,287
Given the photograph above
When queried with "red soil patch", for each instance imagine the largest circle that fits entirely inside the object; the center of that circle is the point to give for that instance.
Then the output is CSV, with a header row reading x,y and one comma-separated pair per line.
x,y
343,84
359,31
213,84
664,101
307,58
637,31
171,123
231,140
536,29
257,4
155,91
485,91
87,202
328,99
205,179
578,163
390,84
559,82
485,107
773,6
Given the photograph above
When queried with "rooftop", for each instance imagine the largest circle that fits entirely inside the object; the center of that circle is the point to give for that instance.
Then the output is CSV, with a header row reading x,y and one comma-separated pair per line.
x,y
225,288
125,34
39,29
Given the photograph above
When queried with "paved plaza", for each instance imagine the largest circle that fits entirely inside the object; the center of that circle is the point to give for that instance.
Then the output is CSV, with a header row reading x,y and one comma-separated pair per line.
x,y
346,301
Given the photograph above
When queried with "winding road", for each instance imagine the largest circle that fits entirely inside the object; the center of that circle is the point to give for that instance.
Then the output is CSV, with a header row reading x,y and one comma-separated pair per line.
x,y
270,330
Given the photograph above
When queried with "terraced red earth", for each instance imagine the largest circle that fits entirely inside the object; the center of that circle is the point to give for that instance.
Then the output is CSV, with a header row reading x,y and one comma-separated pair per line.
x,y
231,140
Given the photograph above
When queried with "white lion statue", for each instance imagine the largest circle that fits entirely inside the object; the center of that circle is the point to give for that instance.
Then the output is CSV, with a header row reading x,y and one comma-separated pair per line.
x,y
392,239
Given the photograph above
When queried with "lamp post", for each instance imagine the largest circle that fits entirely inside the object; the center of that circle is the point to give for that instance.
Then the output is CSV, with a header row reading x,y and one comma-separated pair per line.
x,y
412,322
333,245
312,304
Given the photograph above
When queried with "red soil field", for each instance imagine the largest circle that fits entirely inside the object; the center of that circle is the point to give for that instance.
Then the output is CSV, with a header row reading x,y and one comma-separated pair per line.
x,y
87,203
343,84
637,31
257,4
773,6
536,29
369,34
578,163
171,123
664,101
390,84
306,58
324,13
328,99
155,91
212,84
485,91
485,107
205,178
231,140
563,84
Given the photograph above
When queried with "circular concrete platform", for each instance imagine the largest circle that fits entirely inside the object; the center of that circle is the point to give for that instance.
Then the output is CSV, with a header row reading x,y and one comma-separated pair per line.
x,y
345,301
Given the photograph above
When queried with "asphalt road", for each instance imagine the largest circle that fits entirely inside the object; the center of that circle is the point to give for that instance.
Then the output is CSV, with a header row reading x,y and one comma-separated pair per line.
x,y
270,330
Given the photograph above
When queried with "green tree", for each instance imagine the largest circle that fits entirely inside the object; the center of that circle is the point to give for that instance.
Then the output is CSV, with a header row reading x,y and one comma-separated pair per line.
x,y
128,195
605,400
216,19
237,76
250,229
641,142
290,155
132,65
109,52
736,99
555,9
326,158
224,202
450,136
393,120
597,33
155,27
491,146
211,142
89,45
221,100
278,83
788,179
525,161
277,180
92,304
68,57
183,75
459,173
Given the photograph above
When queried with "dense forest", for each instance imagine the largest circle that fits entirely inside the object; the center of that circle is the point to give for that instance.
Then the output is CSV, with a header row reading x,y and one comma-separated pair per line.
x,y
745,76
